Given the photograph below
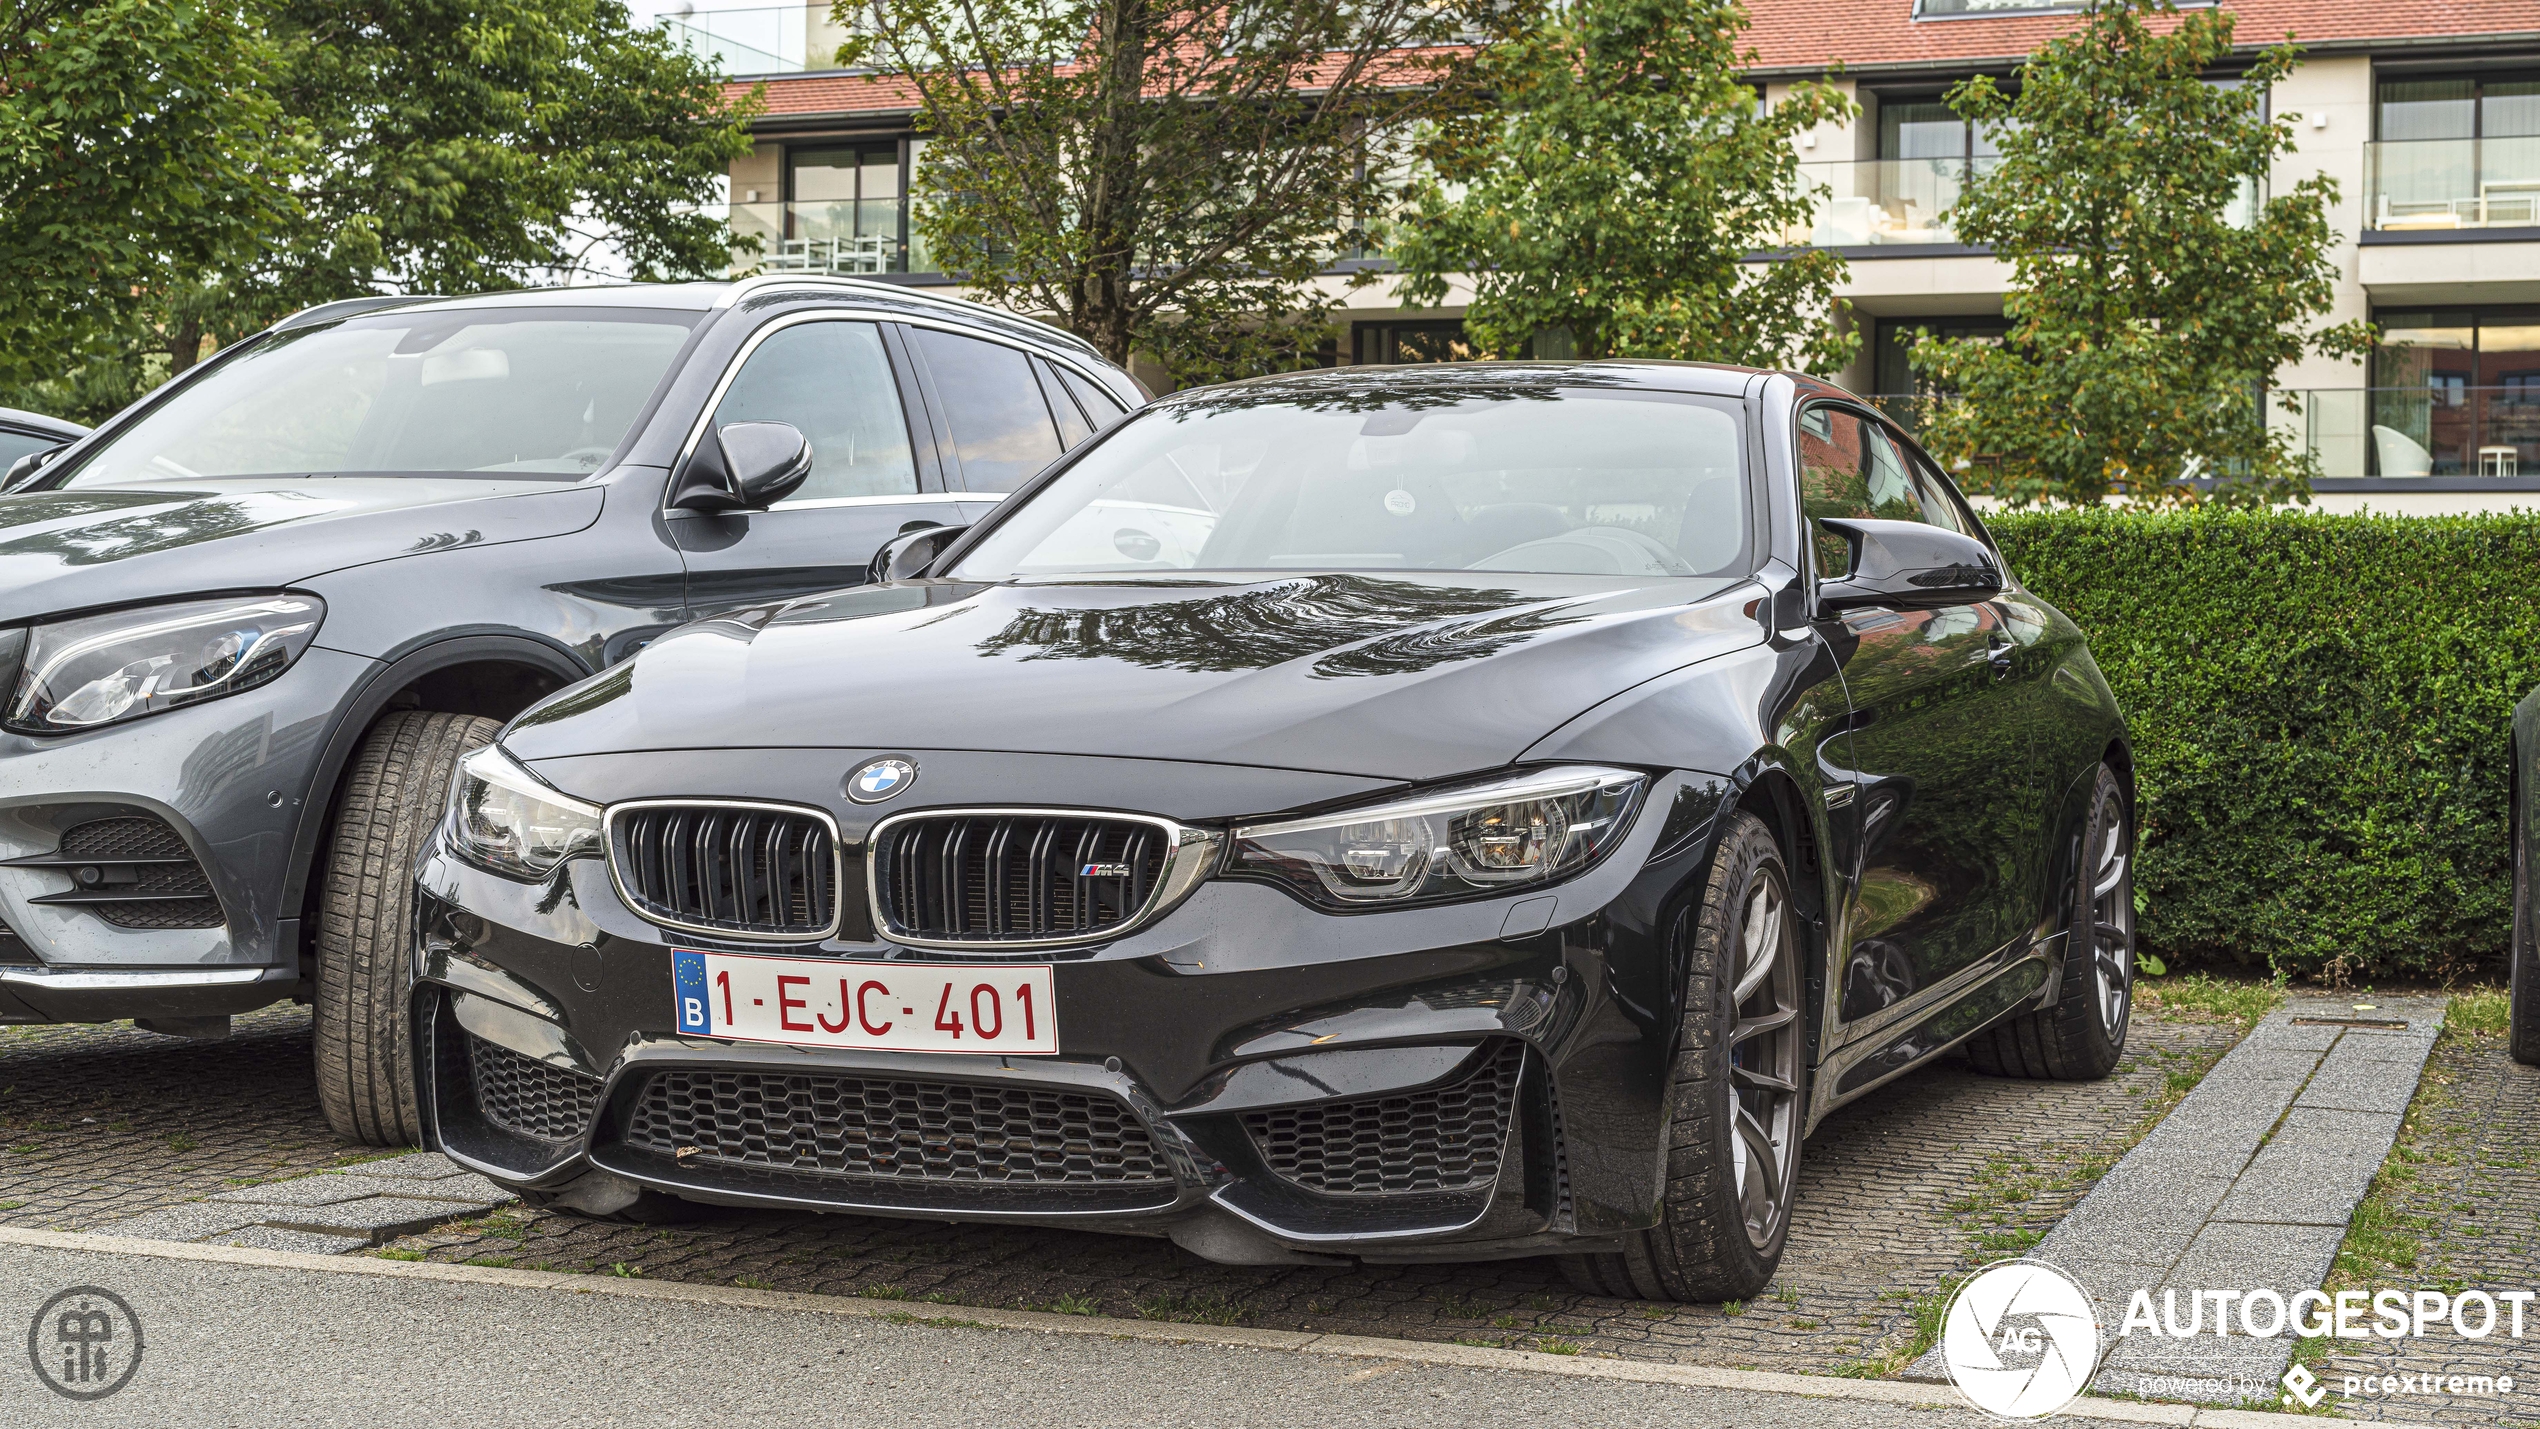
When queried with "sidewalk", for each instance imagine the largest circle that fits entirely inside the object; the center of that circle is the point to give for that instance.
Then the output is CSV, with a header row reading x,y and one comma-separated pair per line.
x,y
240,1336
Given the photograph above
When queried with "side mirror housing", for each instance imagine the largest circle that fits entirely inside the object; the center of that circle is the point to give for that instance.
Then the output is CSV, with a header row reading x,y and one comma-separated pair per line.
x,y
24,468
747,466
910,553
1908,564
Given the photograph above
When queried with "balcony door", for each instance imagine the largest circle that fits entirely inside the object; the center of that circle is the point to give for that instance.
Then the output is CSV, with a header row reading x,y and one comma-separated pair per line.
x,y
842,212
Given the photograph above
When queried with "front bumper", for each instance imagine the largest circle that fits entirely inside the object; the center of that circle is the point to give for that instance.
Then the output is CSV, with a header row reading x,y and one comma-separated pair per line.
x,y
230,779
1407,1085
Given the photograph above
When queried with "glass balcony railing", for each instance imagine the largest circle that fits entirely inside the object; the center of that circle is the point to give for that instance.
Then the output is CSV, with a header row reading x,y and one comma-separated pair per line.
x,y
774,39
1864,202
842,237
2403,432
2417,185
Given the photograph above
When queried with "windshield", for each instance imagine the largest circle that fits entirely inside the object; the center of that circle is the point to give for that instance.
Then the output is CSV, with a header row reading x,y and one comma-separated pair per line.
x,y
1556,480
429,391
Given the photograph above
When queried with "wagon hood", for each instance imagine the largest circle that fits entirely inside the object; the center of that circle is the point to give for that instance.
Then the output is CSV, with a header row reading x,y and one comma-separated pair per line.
x,y
1390,677
71,550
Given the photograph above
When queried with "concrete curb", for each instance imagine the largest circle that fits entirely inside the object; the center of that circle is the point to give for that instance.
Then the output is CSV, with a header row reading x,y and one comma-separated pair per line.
x,y
2114,1411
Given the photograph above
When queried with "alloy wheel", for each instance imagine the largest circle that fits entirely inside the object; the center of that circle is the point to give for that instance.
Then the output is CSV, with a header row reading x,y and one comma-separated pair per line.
x,y
1764,1055
2112,914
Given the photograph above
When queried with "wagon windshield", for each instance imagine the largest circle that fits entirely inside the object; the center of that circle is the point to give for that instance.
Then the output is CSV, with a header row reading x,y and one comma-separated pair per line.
x,y
1564,480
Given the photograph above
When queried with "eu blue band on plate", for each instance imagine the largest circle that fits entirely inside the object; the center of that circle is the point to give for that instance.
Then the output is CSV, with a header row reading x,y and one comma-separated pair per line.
x,y
688,979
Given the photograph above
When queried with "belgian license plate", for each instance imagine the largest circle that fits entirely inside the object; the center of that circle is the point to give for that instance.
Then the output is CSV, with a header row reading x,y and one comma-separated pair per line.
x,y
893,1007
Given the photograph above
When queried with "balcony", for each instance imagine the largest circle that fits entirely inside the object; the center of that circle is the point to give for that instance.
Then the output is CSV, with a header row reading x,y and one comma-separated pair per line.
x,y
1867,202
2468,434
775,39
2440,185
842,237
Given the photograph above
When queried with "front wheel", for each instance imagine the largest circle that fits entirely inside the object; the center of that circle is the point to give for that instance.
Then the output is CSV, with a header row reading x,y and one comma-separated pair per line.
x,y
2079,1036
392,798
1741,1085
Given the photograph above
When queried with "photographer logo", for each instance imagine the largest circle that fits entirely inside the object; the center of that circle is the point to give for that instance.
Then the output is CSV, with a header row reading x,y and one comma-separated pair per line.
x,y
85,1343
2020,1339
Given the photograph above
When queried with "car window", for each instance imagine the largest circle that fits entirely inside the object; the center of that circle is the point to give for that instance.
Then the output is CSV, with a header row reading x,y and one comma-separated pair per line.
x,y
1100,406
1851,466
1582,482
17,444
1072,426
1001,427
831,380
1939,506
431,390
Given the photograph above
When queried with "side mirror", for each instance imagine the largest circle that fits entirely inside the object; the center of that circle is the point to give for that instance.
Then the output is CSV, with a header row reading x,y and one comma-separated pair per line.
x,y
24,468
1906,563
910,553
747,466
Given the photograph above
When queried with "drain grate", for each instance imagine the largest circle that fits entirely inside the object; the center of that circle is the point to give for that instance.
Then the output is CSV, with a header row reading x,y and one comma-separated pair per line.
x,y
2376,1024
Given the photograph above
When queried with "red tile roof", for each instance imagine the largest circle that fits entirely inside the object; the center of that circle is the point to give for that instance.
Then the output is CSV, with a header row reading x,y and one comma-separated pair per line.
x,y
1809,35
1870,34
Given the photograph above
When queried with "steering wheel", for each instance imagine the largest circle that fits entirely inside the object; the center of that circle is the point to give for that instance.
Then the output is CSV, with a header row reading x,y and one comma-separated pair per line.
x,y
1588,551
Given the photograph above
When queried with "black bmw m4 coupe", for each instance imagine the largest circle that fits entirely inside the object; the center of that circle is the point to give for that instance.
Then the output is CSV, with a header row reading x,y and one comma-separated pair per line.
x,y
1404,814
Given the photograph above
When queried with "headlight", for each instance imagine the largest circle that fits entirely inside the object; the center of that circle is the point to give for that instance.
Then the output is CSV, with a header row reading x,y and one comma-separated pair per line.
x,y
1468,842
503,818
80,674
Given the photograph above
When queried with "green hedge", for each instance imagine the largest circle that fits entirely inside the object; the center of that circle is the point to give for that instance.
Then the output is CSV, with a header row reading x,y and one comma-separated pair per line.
x,y
2320,708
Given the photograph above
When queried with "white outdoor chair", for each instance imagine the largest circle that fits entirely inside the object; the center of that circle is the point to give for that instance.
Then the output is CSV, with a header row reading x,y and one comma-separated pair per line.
x,y
2400,455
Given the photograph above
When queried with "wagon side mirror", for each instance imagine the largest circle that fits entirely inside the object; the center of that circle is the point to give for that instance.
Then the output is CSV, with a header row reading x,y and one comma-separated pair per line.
x,y
23,470
747,466
1908,564
911,552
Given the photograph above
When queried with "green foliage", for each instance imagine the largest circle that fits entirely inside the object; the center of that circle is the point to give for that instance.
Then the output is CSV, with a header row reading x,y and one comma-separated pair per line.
x,y
431,146
2145,322
140,142
1615,189
1158,177
2320,708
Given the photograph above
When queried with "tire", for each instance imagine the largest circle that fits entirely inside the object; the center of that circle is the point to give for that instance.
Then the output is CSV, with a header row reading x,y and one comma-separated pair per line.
x,y
1740,1074
391,799
2523,1012
2080,1036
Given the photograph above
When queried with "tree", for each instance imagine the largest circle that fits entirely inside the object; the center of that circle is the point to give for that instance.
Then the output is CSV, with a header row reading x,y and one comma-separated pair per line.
x,y
140,143
1617,188
445,146
2146,318
1159,176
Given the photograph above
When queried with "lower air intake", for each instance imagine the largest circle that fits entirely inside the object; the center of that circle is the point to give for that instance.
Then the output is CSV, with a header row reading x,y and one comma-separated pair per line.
x,y
527,1097
1446,1138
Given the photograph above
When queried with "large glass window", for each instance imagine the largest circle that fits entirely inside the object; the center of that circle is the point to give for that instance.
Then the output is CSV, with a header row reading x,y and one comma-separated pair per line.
x,y
2455,151
1575,481
423,391
2456,392
844,213
832,382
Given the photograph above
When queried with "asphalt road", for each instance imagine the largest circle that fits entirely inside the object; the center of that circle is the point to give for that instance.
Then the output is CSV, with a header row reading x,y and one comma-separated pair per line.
x,y
263,1346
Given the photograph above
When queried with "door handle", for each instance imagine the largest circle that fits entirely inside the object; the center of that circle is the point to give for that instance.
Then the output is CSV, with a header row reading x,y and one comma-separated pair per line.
x,y
1999,650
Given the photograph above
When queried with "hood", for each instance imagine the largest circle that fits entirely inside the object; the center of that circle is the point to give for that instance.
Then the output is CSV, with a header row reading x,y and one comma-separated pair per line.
x,y
1386,677
93,546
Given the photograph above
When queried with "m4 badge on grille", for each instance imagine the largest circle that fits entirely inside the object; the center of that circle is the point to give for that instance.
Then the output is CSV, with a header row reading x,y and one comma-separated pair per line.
x,y
1103,870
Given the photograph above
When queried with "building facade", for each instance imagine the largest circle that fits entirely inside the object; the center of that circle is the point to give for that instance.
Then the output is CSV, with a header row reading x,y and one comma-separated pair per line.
x,y
2426,112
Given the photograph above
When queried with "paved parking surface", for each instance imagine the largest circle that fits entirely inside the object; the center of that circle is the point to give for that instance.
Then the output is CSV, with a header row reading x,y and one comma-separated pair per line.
x,y
1941,1171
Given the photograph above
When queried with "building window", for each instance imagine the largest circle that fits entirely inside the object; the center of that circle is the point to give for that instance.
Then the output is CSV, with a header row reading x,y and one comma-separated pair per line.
x,y
1432,341
1952,9
2456,392
2455,151
1895,387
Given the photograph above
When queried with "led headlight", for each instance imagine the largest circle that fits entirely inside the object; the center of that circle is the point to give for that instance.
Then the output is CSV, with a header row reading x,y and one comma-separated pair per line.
x,y
504,819
1471,841
79,674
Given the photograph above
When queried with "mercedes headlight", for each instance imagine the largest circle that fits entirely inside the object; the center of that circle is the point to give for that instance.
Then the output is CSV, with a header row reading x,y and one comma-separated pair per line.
x,y
80,674
504,819
1472,841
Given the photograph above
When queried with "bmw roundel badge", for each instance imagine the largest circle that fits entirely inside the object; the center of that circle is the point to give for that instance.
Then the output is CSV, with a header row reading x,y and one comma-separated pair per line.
x,y
879,779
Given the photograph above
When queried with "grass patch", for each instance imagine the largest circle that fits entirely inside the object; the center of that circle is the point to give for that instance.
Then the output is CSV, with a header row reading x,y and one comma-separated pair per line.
x,y
182,1142
624,1271
2203,997
2008,1240
1555,1345
1071,1304
1457,1308
392,1253
884,1292
2478,1012
12,1205
499,1262
1211,1309
753,1282
1927,1311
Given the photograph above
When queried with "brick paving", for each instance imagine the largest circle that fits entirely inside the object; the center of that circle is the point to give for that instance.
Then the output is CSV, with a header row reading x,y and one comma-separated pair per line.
x,y
1939,1172
2457,1208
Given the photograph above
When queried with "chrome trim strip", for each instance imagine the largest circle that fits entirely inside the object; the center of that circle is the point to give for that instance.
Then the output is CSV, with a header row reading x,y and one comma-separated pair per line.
x,y
837,862
1193,855
104,980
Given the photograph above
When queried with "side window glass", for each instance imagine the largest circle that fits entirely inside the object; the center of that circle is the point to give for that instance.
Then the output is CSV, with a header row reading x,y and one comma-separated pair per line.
x,y
832,382
1939,507
1072,426
1894,493
1001,427
1103,408
1834,480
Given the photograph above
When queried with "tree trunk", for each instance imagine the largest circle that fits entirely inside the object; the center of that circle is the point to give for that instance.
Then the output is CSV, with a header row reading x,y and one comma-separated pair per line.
x,y
1105,314
185,345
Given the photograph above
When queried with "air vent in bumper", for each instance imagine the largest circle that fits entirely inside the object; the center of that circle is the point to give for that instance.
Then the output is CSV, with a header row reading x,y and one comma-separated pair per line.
x,y
133,871
741,870
897,1129
1445,1138
1026,877
527,1097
